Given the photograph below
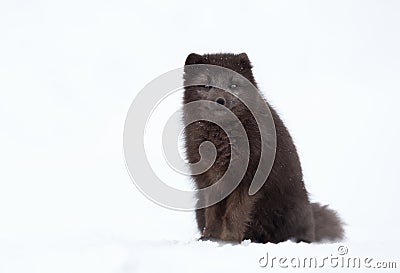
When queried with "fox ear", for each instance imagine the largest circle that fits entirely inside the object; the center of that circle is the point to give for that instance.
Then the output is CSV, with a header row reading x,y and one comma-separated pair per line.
x,y
243,57
244,60
194,58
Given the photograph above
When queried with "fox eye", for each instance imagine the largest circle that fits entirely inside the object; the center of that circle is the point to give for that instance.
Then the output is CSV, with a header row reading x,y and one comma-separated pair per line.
x,y
206,86
233,86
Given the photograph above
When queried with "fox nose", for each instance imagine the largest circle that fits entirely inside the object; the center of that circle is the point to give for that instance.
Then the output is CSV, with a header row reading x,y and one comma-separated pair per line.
x,y
220,101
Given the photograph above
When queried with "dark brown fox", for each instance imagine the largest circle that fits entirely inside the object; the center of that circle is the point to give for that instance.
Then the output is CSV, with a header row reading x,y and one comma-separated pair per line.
x,y
281,209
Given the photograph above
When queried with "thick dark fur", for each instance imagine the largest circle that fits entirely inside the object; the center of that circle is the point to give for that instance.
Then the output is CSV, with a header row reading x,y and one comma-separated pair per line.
x,y
281,210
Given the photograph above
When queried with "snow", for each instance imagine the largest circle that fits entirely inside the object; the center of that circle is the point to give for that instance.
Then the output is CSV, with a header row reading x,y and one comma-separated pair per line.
x,y
70,70
116,255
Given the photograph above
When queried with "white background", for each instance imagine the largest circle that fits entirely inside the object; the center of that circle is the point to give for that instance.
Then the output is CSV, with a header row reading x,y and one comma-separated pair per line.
x,y
69,71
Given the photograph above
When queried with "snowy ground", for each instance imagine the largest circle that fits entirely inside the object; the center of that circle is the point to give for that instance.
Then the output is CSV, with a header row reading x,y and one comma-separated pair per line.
x,y
121,255
69,71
